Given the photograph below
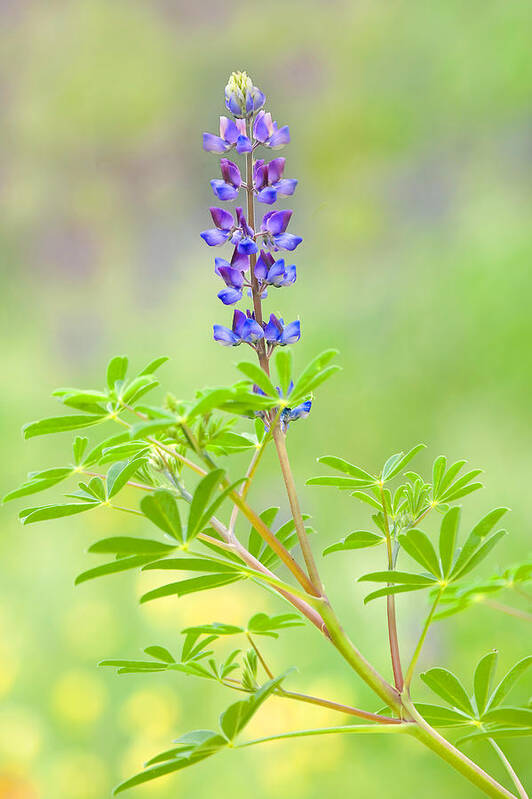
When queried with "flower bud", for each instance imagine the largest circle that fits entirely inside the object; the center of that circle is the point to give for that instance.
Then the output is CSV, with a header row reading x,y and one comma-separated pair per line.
x,y
242,98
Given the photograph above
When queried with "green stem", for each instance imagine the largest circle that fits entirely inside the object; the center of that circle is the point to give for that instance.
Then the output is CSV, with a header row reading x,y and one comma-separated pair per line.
x,y
419,647
460,762
508,766
404,728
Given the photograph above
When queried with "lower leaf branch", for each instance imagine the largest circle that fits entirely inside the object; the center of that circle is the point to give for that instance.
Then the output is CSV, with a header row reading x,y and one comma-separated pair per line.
x,y
347,728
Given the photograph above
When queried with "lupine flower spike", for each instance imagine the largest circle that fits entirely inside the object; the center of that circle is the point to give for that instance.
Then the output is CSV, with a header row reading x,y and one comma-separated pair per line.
x,y
250,274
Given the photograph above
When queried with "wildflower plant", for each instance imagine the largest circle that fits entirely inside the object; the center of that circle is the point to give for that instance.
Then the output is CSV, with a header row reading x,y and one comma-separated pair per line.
x,y
175,457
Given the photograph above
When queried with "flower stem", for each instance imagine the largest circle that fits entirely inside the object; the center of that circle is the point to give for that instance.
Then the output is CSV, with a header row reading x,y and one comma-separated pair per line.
x,y
390,606
508,766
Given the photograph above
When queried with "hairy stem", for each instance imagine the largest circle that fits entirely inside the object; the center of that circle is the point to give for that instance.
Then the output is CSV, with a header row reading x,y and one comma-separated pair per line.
x,y
508,766
390,606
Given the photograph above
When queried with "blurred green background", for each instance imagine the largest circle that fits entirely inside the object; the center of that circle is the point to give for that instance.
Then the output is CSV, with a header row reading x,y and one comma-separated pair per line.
x,y
412,138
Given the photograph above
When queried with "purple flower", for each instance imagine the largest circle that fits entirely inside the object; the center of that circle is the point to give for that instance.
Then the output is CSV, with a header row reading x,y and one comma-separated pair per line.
x,y
276,332
232,134
269,183
233,279
244,329
242,98
273,227
228,187
270,272
267,133
239,233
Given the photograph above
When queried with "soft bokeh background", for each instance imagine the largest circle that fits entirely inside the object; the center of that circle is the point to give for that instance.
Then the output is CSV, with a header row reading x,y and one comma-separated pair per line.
x,y
412,138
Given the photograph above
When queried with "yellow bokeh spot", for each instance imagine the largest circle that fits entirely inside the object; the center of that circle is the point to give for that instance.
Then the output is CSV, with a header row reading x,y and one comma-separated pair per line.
x,y
79,775
78,697
134,759
9,666
20,736
14,787
152,711
87,624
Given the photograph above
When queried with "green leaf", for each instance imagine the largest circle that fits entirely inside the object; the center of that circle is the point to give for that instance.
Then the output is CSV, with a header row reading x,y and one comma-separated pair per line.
x,y
348,468
119,474
448,535
153,366
212,508
283,364
419,547
124,564
448,477
498,732
300,392
234,719
95,454
210,399
397,463
116,370
441,716
360,539
462,492
191,586
392,589
79,446
201,498
368,499
255,541
207,748
256,375
60,424
438,470
392,576
216,628
317,365
483,679
120,452
37,484
125,545
478,556
509,680
188,563
161,653
337,482
47,512
509,716
448,687
161,509
138,387
475,539
262,624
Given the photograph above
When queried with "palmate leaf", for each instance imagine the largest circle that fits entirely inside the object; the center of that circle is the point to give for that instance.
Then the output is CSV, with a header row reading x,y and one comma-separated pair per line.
x,y
61,424
317,371
337,482
202,495
497,732
398,577
447,486
137,388
396,463
47,512
161,653
160,507
255,541
234,719
350,469
153,366
448,536
95,454
360,539
126,545
211,743
509,716
508,681
392,589
195,584
216,629
420,548
123,564
448,687
284,365
40,481
116,370
120,473
483,679
439,716
259,377
262,624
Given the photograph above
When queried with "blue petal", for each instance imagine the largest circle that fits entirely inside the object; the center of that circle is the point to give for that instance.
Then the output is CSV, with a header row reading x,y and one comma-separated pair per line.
x,y
247,247
225,336
214,237
279,138
300,411
243,145
230,296
286,241
214,144
286,187
267,195
223,190
252,331
290,334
